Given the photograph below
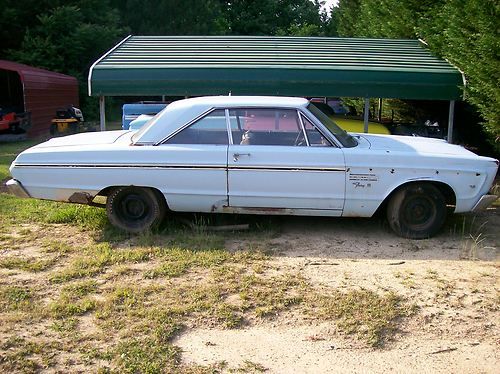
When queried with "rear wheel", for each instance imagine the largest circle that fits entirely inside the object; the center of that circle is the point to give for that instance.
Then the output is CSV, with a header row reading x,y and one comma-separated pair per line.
x,y
417,211
135,209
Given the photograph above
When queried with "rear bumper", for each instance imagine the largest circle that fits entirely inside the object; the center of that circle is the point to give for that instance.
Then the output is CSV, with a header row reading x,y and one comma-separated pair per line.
x,y
16,188
484,202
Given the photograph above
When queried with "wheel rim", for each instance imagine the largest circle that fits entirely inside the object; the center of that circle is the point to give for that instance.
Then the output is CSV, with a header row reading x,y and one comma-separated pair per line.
x,y
419,212
133,208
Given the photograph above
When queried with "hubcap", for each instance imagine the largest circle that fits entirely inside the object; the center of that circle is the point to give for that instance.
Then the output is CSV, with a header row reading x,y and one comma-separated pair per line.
x,y
133,207
419,211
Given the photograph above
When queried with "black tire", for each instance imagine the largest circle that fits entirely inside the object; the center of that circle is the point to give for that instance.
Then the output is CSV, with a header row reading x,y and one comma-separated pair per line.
x,y
417,211
135,209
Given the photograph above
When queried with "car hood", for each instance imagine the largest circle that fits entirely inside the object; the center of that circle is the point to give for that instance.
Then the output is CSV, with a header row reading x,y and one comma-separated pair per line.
x,y
88,138
420,145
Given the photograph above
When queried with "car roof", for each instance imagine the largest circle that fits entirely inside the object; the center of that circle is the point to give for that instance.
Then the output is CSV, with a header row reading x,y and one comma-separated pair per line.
x,y
178,113
279,101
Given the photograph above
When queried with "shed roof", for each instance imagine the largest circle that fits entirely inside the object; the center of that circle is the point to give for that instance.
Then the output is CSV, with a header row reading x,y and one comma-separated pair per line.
x,y
294,66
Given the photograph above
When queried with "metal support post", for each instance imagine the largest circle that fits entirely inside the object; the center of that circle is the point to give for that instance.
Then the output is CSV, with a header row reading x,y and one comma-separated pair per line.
x,y
365,114
451,115
379,116
102,112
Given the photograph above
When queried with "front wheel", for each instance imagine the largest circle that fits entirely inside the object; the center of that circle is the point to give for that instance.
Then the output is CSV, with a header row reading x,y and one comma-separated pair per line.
x,y
417,211
135,209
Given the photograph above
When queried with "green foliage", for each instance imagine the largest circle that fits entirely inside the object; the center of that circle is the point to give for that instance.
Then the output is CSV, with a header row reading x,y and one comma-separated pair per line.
x,y
270,17
14,210
172,17
66,33
15,298
65,36
463,31
471,40
364,313
147,355
26,264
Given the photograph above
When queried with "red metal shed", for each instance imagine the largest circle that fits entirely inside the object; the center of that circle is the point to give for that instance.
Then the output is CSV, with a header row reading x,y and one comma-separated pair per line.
x,y
41,92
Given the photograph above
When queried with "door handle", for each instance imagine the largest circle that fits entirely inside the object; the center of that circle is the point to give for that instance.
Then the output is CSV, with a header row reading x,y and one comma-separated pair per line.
x,y
237,155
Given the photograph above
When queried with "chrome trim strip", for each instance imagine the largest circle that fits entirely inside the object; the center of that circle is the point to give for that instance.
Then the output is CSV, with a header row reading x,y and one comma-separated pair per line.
x,y
216,167
281,168
327,134
228,126
303,127
116,166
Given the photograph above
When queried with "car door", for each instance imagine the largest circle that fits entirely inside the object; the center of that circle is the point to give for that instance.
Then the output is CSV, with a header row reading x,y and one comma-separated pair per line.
x,y
272,164
195,165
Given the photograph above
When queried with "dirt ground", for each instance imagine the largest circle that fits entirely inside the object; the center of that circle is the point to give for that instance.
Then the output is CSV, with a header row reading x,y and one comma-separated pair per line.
x,y
452,279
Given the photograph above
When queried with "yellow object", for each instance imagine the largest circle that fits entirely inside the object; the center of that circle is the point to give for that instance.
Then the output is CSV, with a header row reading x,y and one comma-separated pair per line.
x,y
354,125
62,124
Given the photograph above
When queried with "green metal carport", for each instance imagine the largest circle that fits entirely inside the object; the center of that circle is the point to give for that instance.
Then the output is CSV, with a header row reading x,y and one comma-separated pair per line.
x,y
287,66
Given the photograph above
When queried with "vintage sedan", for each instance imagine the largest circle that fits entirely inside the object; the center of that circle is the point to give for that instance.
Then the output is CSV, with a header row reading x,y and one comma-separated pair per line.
x,y
256,155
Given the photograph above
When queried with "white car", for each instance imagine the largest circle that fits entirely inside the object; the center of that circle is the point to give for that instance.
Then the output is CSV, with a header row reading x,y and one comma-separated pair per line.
x,y
257,155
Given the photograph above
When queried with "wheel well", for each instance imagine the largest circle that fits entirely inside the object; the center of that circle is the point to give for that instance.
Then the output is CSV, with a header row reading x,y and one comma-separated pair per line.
x,y
445,189
106,191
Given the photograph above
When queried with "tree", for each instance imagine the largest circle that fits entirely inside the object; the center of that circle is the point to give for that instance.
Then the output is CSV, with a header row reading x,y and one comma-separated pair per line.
x,y
470,39
69,38
465,32
172,17
271,17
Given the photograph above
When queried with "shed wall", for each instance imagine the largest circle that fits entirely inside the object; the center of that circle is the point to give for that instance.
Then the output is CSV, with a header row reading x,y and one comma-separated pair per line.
x,y
43,93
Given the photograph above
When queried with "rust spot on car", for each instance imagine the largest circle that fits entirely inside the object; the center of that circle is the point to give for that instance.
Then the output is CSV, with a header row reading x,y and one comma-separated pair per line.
x,y
259,210
81,198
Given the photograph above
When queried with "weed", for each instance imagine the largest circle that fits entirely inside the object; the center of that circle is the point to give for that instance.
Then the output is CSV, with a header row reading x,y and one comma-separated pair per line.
x,y
65,326
18,355
80,289
176,261
249,367
364,313
56,246
146,355
66,307
97,258
15,298
406,279
27,264
73,300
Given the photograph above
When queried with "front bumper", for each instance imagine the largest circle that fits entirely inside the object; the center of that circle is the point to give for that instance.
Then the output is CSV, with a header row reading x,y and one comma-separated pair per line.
x,y
16,188
484,202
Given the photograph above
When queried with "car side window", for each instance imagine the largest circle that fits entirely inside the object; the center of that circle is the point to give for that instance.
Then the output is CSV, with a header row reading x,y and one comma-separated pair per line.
x,y
266,127
316,139
211,129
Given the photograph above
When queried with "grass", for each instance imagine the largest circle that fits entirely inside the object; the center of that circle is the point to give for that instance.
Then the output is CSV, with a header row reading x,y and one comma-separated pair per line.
x,y
15,211
114,302
372,317
15,298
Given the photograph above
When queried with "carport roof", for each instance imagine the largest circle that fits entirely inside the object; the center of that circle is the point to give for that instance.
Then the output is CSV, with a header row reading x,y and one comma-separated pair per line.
x,y
291,66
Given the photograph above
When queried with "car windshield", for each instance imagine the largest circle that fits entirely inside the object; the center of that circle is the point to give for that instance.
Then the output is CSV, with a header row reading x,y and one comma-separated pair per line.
x,y
144,127
343,137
